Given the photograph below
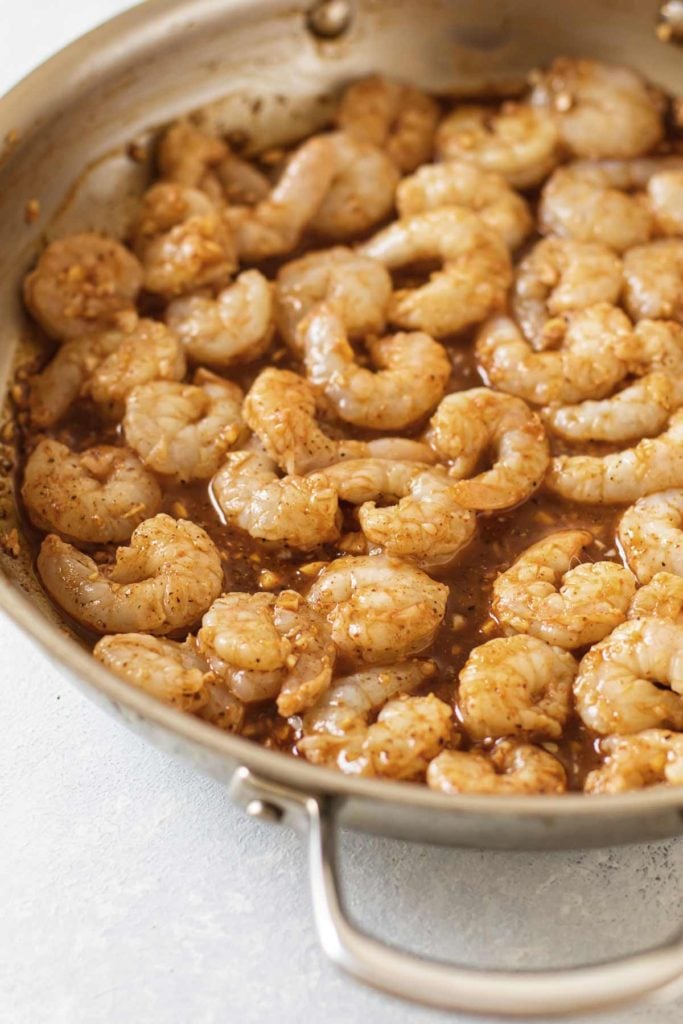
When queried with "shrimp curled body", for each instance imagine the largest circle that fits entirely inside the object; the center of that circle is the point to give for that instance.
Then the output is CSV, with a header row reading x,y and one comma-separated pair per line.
x,y
380,609
98,496
516,684
569,607
163,582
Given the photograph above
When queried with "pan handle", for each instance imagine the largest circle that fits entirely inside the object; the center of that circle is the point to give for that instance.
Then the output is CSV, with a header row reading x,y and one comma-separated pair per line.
x,y
431,983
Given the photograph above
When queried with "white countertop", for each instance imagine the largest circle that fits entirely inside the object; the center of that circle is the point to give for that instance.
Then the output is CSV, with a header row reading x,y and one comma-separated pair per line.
x,y
131,889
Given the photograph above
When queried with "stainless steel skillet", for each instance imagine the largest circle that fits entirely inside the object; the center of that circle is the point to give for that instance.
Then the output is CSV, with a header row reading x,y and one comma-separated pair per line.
x,y
266,66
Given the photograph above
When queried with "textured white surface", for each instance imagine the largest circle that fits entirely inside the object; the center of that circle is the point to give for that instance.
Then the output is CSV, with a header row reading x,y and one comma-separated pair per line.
x,y
131,890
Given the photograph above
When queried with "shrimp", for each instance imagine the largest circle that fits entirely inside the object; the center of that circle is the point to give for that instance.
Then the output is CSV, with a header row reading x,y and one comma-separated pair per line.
x,y
397,117
651,535
280,409
172,672
579,202
467,424
189,156
601,110
380,609
510,767
650,758
639,410
357,287
182,240
97,496
654,464
162,583
458,183
540,594
597,352
665,195
653,276
265,647
235,327
183,430
659,348
661,598
633,679
53,391
426,525
274,225
515,140
558,276
82,283
361,192
301,512
147,352
472,282
408,733
414,371
516,684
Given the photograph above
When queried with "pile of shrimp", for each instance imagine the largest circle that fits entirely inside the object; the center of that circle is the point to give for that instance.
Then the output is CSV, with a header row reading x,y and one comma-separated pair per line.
x,y
415,524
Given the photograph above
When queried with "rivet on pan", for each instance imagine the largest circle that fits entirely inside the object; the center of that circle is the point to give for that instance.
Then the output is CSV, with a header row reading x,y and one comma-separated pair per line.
x,y
670,26
328,19
263,810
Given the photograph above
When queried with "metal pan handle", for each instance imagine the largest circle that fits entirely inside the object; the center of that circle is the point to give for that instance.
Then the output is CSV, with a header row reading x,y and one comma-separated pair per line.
x,y
445,986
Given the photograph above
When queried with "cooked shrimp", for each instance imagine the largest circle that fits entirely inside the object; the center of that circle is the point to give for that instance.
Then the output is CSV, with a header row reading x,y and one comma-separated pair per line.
x,y
280,409
653,276
235,327
380,609
97,496
654,464
516,684
601,110
408,733
580,202
651,535
659,348
557,277
182,240
426,525
221,707
661,598
473,281
665,194
515,140
633,679
163,582
301,512
510,767
172,672
458,183
147,352
82,283
274,225
357,287
469,423
597,352
183,430
414,371
265,647
639,410
189,156
650,758
361,193
398,118
542,595
54,390
186,154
